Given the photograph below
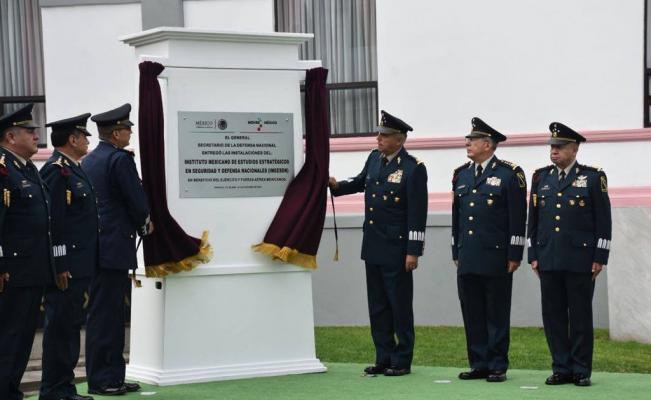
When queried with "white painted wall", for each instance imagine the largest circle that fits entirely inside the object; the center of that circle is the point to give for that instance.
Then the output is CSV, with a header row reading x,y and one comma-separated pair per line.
x,y
230,15
86,68
519,65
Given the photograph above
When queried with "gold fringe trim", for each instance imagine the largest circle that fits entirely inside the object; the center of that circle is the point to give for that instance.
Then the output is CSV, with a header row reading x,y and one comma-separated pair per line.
x,y
187,264
286,254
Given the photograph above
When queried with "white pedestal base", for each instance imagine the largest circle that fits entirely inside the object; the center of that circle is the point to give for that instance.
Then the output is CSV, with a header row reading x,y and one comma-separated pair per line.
x,y
225,372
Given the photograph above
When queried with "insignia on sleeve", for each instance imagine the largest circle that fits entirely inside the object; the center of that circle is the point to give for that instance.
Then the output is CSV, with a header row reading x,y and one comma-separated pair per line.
x,y
521,179
604,184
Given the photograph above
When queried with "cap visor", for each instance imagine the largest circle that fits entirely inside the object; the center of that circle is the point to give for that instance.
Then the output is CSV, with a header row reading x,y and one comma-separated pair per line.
x,y
559,141
30,125
473,135
383,130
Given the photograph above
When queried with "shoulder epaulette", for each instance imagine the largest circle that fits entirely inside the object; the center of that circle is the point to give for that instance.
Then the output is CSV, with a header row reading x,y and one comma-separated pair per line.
x,y
546,168
508,164
459,168
589,168
414,159
129,152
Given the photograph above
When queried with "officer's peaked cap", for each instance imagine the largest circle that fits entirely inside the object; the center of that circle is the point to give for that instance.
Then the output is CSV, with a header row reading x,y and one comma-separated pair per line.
x,y
390,124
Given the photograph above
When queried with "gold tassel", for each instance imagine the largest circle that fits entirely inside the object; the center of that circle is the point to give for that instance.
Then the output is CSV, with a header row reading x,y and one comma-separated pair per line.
x,y
7,198
68,196
334,220
187,264
286,254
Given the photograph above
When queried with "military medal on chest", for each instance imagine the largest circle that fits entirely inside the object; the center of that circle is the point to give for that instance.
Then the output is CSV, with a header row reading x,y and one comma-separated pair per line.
x,y
580,181
493,181
395,177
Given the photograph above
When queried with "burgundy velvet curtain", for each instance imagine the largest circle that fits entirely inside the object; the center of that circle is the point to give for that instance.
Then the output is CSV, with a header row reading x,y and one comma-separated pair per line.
x,y
295,232
168,244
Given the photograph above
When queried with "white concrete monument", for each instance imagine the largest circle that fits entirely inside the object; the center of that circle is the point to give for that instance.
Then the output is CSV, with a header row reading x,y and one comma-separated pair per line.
x,y
242,315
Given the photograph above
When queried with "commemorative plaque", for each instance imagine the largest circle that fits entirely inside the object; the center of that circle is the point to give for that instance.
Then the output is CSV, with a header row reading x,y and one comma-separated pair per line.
x,y
235,154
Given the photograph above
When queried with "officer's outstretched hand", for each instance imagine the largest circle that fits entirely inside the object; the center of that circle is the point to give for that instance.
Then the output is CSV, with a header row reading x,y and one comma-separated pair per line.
x,y
513,265
596,269
150,228
332,183
534,267
4,277
62,280
411,263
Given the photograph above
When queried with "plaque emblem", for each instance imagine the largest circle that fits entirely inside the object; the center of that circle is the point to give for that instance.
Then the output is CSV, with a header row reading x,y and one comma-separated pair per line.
x,y
222,124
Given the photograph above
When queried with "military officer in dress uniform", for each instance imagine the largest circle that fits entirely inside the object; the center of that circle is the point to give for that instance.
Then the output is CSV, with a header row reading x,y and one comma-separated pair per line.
x,y
123,214
395,187
26,258
569,240
489,213
74,233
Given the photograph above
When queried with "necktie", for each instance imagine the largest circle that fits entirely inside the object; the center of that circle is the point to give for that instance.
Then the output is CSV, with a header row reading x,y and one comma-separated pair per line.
x,y
31,170
479,171
561,176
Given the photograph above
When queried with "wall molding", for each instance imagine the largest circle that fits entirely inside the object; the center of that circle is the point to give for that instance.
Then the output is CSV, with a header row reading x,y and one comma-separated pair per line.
x,y
620,197
42,154
367,143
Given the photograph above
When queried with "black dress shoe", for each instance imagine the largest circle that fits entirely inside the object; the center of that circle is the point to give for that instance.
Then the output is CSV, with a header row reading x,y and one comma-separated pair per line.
x,y
473,374
375,369
582,380
395,371
496,376
78,397
108,390
558,379
131,387
69,397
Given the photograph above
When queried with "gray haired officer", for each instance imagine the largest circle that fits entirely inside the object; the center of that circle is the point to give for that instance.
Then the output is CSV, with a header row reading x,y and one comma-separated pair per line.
x,y
569,239
489,213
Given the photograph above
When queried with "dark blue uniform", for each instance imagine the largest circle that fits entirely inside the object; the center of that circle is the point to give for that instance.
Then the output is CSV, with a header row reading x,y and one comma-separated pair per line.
x,y
569,229
394,227
488,227
74,232
26,254
123,213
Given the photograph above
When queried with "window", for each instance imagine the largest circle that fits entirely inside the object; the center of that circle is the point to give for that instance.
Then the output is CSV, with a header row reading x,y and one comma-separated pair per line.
x,y
21,59
345,40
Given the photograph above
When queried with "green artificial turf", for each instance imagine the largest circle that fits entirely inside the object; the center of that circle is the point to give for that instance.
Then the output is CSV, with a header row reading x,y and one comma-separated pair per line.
x,y
344,381
446,347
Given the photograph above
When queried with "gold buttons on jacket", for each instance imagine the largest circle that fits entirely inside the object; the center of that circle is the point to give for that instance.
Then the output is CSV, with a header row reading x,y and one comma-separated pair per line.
x,y
558,218
370,209
474,190
370,222
559,194
557,229
472,204
470,232
558,205
470,218
373,195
